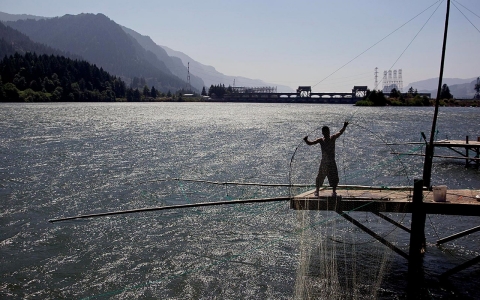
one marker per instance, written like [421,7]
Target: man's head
[326,131]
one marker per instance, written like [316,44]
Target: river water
[66,159]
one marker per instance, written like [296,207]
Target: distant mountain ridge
[133,54]
[212,77]
[103,42]
[13,41]
[9,17]
[174,61]
[174,64]
[459,88]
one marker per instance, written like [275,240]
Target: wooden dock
[416,200]
[469,147]
[466,150]
[393,200]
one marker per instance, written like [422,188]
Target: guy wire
[381,40]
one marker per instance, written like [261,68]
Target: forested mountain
[35,78]
[67,33]
[103,42]
[13,41]
[174,64]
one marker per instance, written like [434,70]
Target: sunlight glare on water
[63,160]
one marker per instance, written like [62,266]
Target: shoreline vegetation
[194,99]
[48,78]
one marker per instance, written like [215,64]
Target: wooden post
[417,239]
[477,153]
[466,150]
[427,166]
[427,169]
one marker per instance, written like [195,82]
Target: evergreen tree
[56,78]
[129,95]
[394,93]
[119,88]
[2,92]
[377,98]
[146,91]
[217,90]
[410,91]
[153,92]
[204,92]
[445,92]
[137,96]
[477,89]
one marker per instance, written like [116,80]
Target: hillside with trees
[377,98]
[42,78]
[13,41]
[174,64]
[102,42]
[412,98]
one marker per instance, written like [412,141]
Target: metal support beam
[458,235]
[461,267]
[391,221]
[373,234]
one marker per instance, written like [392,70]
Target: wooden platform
[466,150]
[457,143]
[397,200]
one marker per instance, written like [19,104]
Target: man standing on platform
[328,166]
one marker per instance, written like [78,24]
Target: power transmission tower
[477,89]
[189,88]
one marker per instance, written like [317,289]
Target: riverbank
[394,102]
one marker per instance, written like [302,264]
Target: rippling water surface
[61,160]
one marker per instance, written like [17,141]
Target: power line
[465,15]
[377,42]
[466,9]
[415,36]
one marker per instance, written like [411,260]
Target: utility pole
[189,87]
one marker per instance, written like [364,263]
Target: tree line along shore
[53,78]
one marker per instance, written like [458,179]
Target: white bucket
[440,193]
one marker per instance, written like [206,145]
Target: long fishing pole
[228,182]
[190,205]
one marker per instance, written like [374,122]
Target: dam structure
[303,94]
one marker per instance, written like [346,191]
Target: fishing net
[339,260]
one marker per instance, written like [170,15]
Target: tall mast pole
[427,167]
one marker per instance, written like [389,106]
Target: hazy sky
[298,42]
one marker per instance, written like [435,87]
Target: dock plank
[458,202]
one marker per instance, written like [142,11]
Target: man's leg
[320,178]
[333,178]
